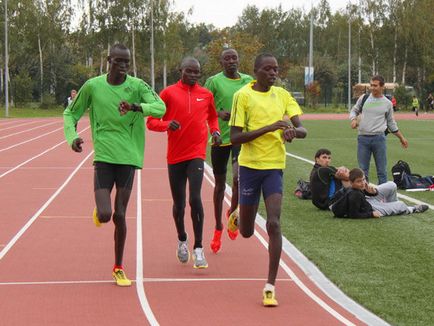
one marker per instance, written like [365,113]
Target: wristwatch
[136,107]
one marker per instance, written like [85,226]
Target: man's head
[229,61]
[357,179]
[119,59]
[377,85]
[73,93]
[323,157]
[266,69]
[190,70]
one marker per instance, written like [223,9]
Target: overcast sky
[223,13]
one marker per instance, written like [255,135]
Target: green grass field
[386,264]
[32,111]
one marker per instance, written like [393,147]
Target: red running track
[55,266]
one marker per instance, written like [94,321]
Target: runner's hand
[124,107]
[216,139]
[278,125]
[76,145]
[224,115]
[289,133]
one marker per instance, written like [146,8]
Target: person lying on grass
[365,200]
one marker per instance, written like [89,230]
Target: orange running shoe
[232,224]
[216,242]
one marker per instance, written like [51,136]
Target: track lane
[231,286]
[71,250]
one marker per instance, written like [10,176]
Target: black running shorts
[106,175]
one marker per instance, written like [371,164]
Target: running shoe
[182,252]
[232,224]
[420,208]
[269,299]
[96,219]
[216,242]
[199,258]
[120,277]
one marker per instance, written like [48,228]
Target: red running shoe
[216,242]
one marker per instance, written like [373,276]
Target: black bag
[302,190]
[339,202]
[415,181]
[397,171]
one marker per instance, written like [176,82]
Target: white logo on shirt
[200,99]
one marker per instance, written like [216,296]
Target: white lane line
[48,167]
[410,199]
[148,280]
[23,124]
[29,140]
[305,289]
[27,130]
[35,216]
[288,271]
[36,156]
[72,217]
[139,258]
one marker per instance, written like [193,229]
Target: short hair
[227,49]
[356,173]
[322,151]
[260,57]
[186,60]
[117,46]
[378,78]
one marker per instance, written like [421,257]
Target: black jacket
[358,206]
[320,179]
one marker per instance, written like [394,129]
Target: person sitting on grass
[325,179]
[365,200]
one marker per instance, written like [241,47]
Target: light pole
[152,47]
[6,62]
[349,56]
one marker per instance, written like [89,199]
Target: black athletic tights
[179,173]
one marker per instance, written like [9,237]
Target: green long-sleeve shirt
[117,139]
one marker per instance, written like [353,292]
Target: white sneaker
[199,258]
[182,252]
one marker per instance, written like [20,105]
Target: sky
[223,13]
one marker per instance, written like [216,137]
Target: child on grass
[366,201]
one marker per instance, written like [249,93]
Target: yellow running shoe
[269,299]
[232,224]
[120,277]
[96,219]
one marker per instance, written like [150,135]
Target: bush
[22,86]
[403,98]
[48,101]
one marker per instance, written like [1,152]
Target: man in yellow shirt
[259,122]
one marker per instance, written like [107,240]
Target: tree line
[55,45]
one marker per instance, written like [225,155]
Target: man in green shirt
[117,106]
[223,86]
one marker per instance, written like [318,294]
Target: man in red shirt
[190,108]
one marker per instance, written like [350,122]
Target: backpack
[397,170]
[415,181]
[339,202]
[302,190]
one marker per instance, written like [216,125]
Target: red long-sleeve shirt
[193,107]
